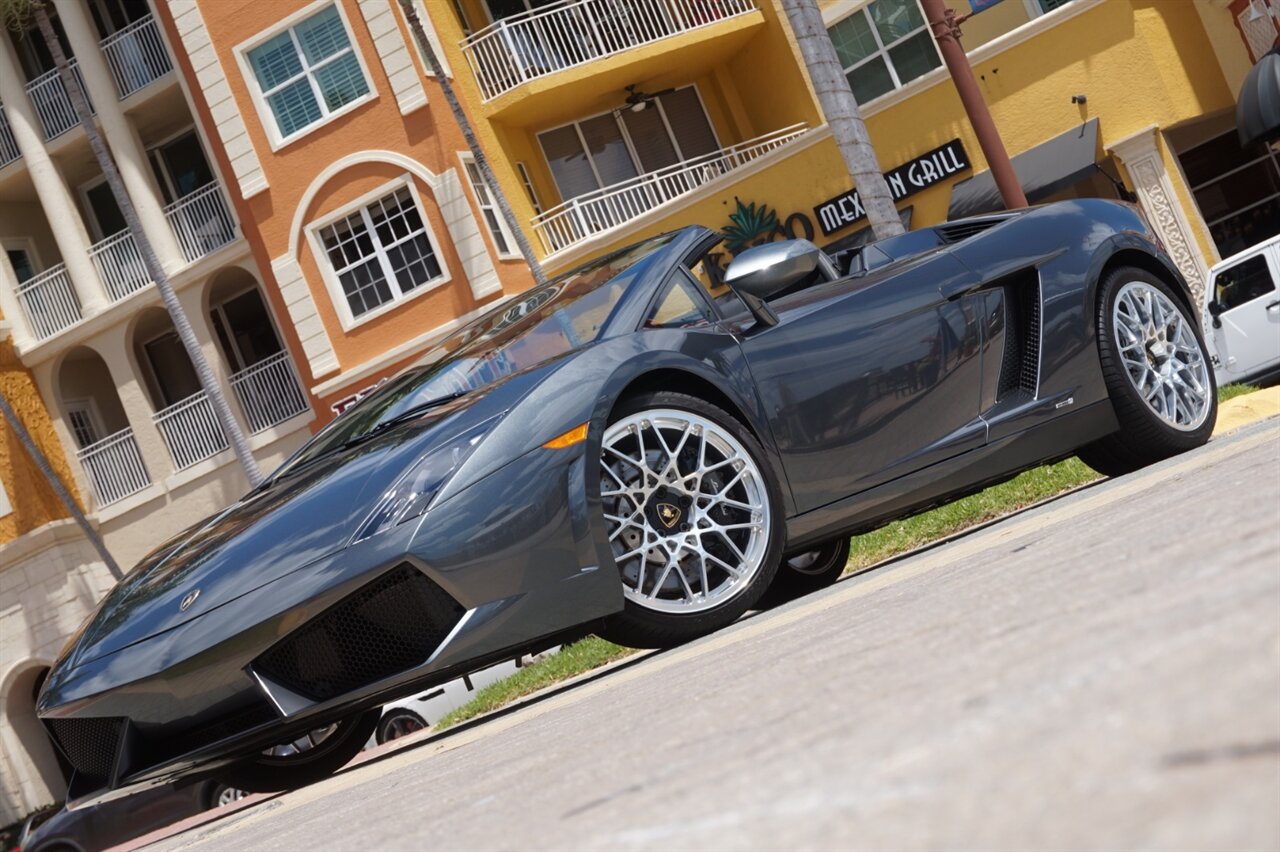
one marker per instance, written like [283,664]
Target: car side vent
[90,745]
[392,624]
[955,232]
[1020,367]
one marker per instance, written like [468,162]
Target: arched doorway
[105,443]
[33,761]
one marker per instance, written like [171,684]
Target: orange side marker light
[576,435]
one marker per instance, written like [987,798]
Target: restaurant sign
[922,172]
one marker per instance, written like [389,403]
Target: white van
[1244,302]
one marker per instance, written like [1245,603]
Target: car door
[1247,332]
[865,379]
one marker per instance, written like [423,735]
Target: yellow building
[609,124]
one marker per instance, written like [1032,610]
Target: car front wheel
[694,518]
[311,757]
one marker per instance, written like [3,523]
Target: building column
[114,349]
[126,149]
[9,304]
[59,207]
[1140,155]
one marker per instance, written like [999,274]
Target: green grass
[1227,392]
[583,656]
[866,550]
[1023,490]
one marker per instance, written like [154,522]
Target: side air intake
[392,624]
[1020,367]
[955,232]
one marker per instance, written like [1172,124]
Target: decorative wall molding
[394,54]
[212,78]
[1140,154]
[313,337]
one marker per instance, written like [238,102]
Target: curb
[1248,408]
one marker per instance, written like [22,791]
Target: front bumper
[511,559]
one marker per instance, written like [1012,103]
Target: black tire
[1144,437]
[822,567]
[223,794]
[638,627]
[398,723]
[268,774]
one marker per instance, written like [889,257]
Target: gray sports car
[645,448]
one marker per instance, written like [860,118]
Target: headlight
[413,492]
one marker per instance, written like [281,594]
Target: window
[1036,8]
[613,147]
[502,239]
[5,507]
[180,166]
[244,330]
[381,253]
[83,420]
[884,46]
[1248,280]
[1237,190]
[679,307]
[308,72]
[528,186]
[22,258]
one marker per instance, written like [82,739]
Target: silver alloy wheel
[1161,355]
[686,507]
[227,795]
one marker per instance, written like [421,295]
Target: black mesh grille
[1020,366]
[90,745]
[955,232]
[390,625]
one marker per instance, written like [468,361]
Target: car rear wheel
[693,514]
[309,758]
[1153,360]
[399,723]
[804,573]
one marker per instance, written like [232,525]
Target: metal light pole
[946,32]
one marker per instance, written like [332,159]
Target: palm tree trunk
[482,161]
[230,426]
[33,451]
[840,109]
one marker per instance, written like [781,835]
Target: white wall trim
[406,85]
[212,78]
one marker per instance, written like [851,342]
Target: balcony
[49,302]
[190,430]
[119,265]
[8,146]
[614,206]
[53,104]
[269,392]
[514,50]
[136,56]
[201,221]
[115,468]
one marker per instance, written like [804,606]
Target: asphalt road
[1100,672]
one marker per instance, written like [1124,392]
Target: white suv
[1244,302]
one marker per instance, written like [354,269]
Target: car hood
[307,515]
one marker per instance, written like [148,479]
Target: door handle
[1274,305]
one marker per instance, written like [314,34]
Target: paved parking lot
[1101,672]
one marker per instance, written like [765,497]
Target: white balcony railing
[136,56]
[191,430]
[8,145]
[49,302]
[115,467]
[523,47]
[119,264]
[612,206]
[269,392]
[201,221]
[53,104]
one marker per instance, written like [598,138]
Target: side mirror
[763,271]
[1215,311]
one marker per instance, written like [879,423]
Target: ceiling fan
[637,101]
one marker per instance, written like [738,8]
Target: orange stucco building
[342,142]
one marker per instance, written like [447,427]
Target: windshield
[539,325]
